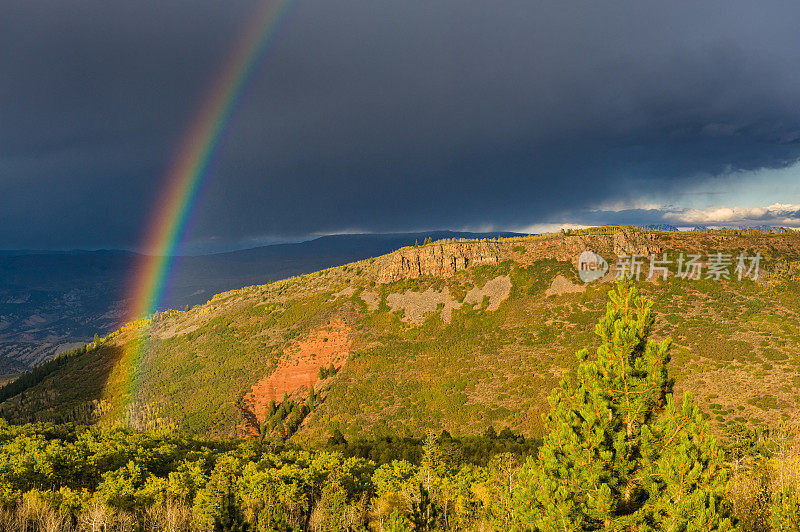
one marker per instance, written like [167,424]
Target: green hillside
[455,335]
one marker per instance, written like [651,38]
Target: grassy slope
[736,349]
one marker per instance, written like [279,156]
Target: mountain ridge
[472,333]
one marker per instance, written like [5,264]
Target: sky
[384,116]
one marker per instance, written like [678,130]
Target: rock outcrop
[446,258]
[636,243]
[439,260]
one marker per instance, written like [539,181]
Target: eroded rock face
[298,370]
[446,259]
[629,243]
[439,260]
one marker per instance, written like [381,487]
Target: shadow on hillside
[75,388]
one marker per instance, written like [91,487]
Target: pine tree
[619,454]
[218,505]
[424,512]
[312,398]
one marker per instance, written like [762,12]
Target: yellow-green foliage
[56,477]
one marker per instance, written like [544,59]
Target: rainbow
[189,169]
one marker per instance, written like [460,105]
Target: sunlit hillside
[455,335]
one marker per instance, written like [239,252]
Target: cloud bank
[783,214]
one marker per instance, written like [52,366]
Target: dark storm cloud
[383,116]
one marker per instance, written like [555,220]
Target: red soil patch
[299,368]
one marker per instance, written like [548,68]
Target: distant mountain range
[52,301]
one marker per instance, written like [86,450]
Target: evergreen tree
[283,409]
[218,505]
[312,398]
[424,512]
[619,454]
